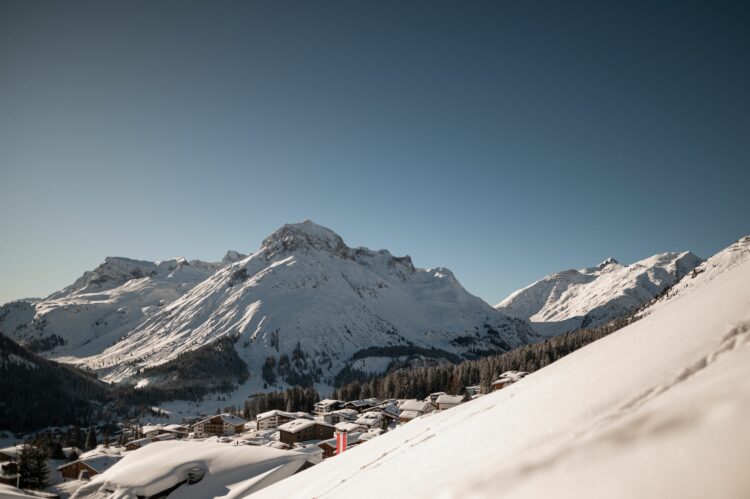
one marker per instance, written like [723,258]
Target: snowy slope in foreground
[592,296]
[657,409]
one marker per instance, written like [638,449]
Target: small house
[219,425]
[327,405]
[447,401]
[301,430]
[507,378]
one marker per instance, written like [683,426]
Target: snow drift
[193,470]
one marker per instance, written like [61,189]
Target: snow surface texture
[657,409]
[592,296]
[230,471]
[303,287]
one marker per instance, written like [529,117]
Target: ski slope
[657,409]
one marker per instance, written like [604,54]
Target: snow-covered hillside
[657,409]
[592,296]
[307,303]
[102,305]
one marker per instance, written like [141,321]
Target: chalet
[339,416]
[10,453]
[389,409]
[274,419]
[350,427]
[301,430]
[8,473]
[433,397]
[507,378]
[413,408]
[370,419]
[137,444]
[88,466]
[474,390]
[329,446]
[447,401]
[222,424]
[362,405]
[327,405]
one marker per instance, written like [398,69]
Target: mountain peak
[304,235]
[232,256]
[608,261]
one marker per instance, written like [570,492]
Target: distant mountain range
[308,309]
[593,296]
[302,309]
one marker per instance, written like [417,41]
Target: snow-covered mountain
[303,307]
[592,296]
[306,305]
[102,305]
[623,417]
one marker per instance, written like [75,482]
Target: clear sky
[503,140]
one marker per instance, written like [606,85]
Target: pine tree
[32,468]
[384,423]
[91,438]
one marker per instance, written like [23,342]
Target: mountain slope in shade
[306,305]
[102,305]
[592,296]
[656,409]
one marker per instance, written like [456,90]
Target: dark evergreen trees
[32,467]
[91,440]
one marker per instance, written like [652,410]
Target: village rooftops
[300,424]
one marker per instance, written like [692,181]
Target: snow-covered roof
[12,451]
[415,405]
[368,418]
[230,471]
[277,412]
[510,377]
[328,402]
[99,463]
[140,442]
[299,424]
[449,399]
[348,426]
[364,402]
[409,414]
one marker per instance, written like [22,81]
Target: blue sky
[503,140]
